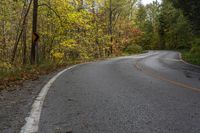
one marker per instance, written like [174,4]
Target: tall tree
[191,9]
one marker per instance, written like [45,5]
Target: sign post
[34,46]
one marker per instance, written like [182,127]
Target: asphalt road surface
[150,93]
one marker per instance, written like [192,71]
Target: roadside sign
[35,37]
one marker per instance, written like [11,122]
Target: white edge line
[32,122]
[181,59]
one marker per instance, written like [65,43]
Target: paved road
[149,93]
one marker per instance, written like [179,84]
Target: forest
[74,31]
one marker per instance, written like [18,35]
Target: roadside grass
[191,57]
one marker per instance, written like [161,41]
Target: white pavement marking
[32,122]
[139,56]
[171,59]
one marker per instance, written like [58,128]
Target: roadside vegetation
[192,56]
[73,31]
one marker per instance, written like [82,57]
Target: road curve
[150,93]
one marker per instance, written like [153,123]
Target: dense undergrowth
[192,56]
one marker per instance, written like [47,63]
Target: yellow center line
[179,84]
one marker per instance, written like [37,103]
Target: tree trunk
[34,46]
[110,25]
[24,36]
[19,33]
[4,39]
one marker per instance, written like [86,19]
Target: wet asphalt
[150,93]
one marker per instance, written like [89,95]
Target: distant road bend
[153,92]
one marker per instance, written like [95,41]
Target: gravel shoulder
[16,102]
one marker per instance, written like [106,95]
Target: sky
[149,1]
